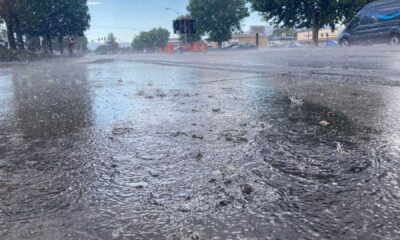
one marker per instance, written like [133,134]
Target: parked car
[296,45]
[377,22]
[239,46]
[288,45]
[230,46]
[244,46]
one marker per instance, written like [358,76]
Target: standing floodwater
[250,145]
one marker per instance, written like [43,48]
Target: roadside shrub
[8,55]
[104,49]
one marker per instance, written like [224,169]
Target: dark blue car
[377,22]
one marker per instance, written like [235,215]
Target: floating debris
[247,189]
[339,148]
[295,101]
[140,93]
[121,131]
[224,203]
[212,180]
[199,156]
[324,123]
[197,137]
[177,134]
[160,93]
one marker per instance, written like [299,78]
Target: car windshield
[199,119]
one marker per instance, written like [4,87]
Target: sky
[125,18]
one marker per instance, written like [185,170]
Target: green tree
[111,38]
[313,14]
[141,42]
[151,40]
[54,19]
[110,46]
[218,18]
[103,49]
[349,8]
[71,18]
[160,37]
[8,12]
[81,44]
[112,42]
[192,38]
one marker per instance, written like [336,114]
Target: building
[258,29]
[323,35]
[250,37]
[246,38]
[176,42]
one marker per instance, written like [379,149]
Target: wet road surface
[277,144]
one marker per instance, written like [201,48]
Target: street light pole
[171,9]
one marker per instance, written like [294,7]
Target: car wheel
[345,42]
[394,40]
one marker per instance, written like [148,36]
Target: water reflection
[51,99]
[332,180]
[6,96]
[226,155]
[47,154]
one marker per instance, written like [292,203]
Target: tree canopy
[8,13]
[110,46]
[313,14]
[218,18]
[112,42]
[48,19]
[54,18]
[153,39]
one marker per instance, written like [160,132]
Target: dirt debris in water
[121,131]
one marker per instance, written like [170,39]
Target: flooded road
[255,145]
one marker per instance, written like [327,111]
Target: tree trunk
[36,44]
[61,44]
[20,40]
[315,29]
[49,44]
[10,34]
[219,44]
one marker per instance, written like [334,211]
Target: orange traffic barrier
[170,48]
[204,46]
[196,47]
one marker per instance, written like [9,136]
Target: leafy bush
[8,55]
[151,40]
[104,49]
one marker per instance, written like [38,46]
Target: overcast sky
[125,18]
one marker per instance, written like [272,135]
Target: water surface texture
[253,145]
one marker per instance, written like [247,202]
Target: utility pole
[257,40]
[171,9]
[186,23]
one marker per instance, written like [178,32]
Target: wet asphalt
[269,144]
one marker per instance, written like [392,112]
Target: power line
[117,27]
